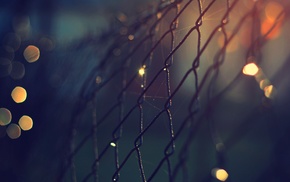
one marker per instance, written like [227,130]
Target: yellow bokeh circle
[31,53]
[25,123]
[19,94]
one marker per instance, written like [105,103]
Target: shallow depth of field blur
[48,48]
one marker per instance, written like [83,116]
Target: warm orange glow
[13,131]
[266,27]
[159,14]
[5,116]
[142,71]
[25,123]
[220,174]
[269,91]
[19,94]
[264,83]
[250,69]
[31,53]
[98,80]
[21,26]
[122,17]
[131,37]
[272,10]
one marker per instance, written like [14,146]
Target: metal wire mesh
[151,102]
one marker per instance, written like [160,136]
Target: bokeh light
[220,174]
[25,123]
[98,80]
[11,42]
[272,10]
[31,53]
[18,70]
[269,91]
[21,25]
[142,71]
[264,83]
[267,26]
[131,37]
[46,44]
[19,94]
[113,144]
[13,131]
[5,116]
[250,69]
[5,67]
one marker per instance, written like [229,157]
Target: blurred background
[49,54]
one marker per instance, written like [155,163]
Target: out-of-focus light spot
[13,131]
[260,76]
[46,44]
[18,70]
[131,37]
[11,42]
[5,67]
[264,83]
[25,123]
[5,116]
[122,17]
[250,69]
[267,26]
[98,79]
[31,53]
[272,10]
[225,20]
[142,71]
[21,25]
[158,15]
[19,94]
[269,91]
[220,174]
[113,144]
